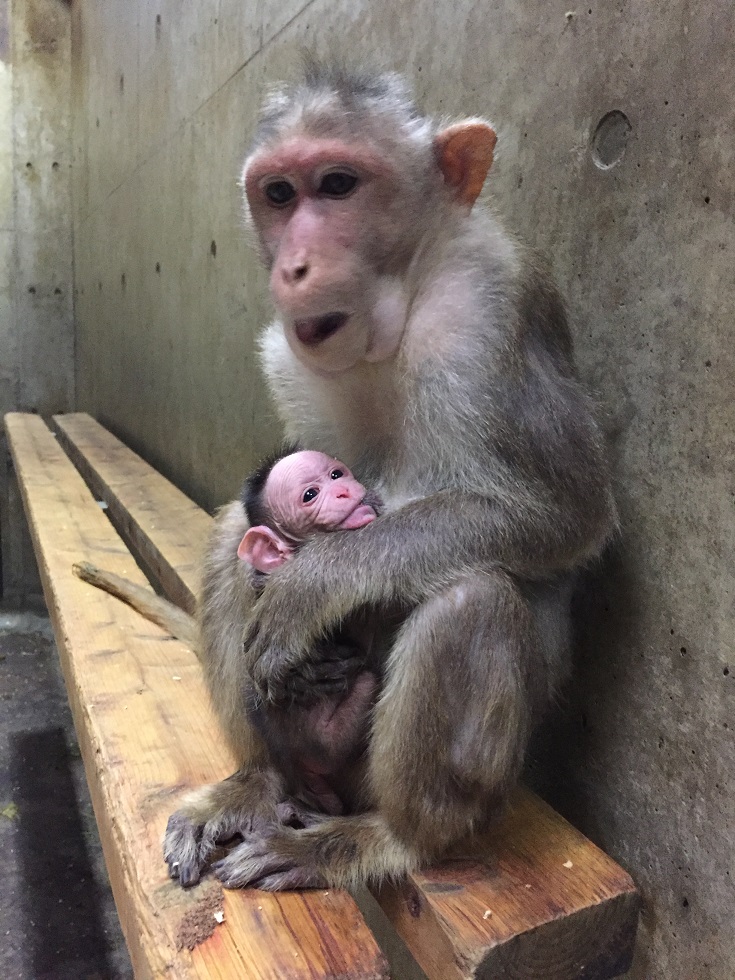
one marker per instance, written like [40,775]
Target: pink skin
[305,492]
[319,241]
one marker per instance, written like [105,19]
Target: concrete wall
[36,322]
[169,298]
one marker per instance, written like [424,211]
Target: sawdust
[199,922]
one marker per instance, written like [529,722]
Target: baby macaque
[291,496]
[320,728]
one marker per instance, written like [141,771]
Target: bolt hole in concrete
[610,139]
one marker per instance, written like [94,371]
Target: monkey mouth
[362,514]
[316,329]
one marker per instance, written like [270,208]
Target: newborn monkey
[294,494]
[316,733]
[319,730]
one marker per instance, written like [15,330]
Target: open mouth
[316,329]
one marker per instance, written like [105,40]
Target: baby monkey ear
[464,153]
[263,549]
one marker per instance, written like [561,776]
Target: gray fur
[482,442]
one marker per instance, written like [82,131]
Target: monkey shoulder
[226,579]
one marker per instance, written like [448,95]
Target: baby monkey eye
[309,495]
[337,184]
[279,192]
[336,474]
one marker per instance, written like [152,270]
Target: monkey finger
[269,675]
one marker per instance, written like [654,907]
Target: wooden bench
[545,904]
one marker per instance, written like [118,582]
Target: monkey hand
[277,859]
[281,638]
[325,676]
[251,800]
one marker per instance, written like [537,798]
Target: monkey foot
[273,861]
[250,802]
[188,846]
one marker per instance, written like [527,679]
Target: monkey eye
[338,183]
[280,192]
[336,474]
[309,495]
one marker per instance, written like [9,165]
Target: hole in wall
[213,248]
[123,281]
[158,267]
[610,139]
[55,165]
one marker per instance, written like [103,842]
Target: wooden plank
[159,522]
[543,904]
[147,734]
[571,923]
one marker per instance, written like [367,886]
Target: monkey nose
[296,273]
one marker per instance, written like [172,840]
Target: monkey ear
[263,549]
[464,153]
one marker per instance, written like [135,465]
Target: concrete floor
[57,915]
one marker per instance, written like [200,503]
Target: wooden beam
[159,523]
[519,911]
[147,734]
[541,903]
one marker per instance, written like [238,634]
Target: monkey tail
[153,607]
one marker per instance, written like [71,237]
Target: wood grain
[543,903]
[518,912]
[160,524]
[147,734]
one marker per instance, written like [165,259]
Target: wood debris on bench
[545,904]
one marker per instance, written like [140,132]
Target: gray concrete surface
[57,916]
[36,318]
[636,211]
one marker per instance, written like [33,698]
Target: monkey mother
[426,347]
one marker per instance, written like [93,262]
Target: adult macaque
[429,349]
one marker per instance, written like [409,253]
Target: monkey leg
[448,740]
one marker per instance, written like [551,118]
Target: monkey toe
[247,864]
[295,878]
[269,862]
[293,813]
[181,850]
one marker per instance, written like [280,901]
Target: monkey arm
[407,556]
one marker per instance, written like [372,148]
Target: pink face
[322,209]
[310,491]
